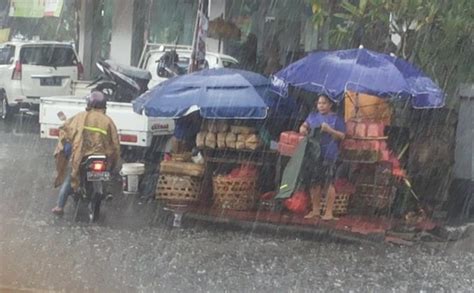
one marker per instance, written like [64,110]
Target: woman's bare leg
[315,193]
[330,199]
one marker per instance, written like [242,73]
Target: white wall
[122,30]
[85,36]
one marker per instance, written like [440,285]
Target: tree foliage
[437,35]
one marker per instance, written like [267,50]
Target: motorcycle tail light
[98,166]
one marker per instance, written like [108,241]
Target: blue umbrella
[216,93]
[359,70]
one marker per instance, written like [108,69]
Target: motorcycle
[120,83]
[93,173]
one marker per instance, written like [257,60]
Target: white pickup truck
[134,129]
[153,52]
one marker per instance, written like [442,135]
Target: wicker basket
[181,168]
[234,193]
[182,157]
[178,189]
[340,204]
[373,197]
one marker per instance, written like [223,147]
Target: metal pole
[192,65]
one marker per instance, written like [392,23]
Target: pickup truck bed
[133,129]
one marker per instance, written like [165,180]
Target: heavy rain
[236,146]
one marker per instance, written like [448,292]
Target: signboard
[35,8]
[4,34]
[53,7]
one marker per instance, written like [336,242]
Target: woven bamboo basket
[178,189]
[234,193]
[372,197]
[340,204]
[182,157]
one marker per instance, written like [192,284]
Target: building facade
[273,32]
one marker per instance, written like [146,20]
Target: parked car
[33,69]
[153,53]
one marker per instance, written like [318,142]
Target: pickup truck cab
[34,69]
[153,52]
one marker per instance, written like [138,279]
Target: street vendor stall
[229,150]
[364,81]
[236,162]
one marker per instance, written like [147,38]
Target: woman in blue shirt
[333,131]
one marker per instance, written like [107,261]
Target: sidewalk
[347,228]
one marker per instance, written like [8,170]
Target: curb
[314,233]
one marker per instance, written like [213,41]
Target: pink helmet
[96,100]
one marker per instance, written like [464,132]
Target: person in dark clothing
[333,131]
[185,131]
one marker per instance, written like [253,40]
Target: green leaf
[362,6]
[343,16]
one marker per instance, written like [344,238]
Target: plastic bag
[298,203]
[230,140]
[240,144]
[243,171]
[211,140]
[221,140]
[200,139]
[252,142]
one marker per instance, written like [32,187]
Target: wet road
[127,252]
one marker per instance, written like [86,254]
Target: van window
[49,55]
[7,54]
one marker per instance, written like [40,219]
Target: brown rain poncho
[89,132]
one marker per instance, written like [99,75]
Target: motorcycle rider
[87,133]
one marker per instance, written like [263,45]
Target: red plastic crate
[360,129]
[365,129]
[286,149]
[296,138]
[350,128]
[375,129]
[285,136]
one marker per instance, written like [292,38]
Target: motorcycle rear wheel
[94,207]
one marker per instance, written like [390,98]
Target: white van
[30,70]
